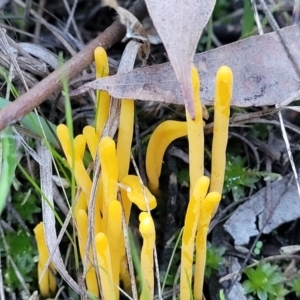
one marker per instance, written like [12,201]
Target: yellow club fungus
[92,140]
[147,231]
[195,135]
[161,138]
[223,94]
[47,283]
[90,277]
[74,159]
[109,173]
[103,98]
[135,192]
[208,206]
[81,203]
[114,235]
[79,145]
[125,134]
[104,265]
[188,237]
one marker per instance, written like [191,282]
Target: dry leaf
[49,218]
[134,28]
[112,3]
[179,25]
[283,207]
[263,75]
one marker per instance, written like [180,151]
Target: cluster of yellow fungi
[205,194]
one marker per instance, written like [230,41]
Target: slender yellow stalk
[161,138]
[114,235]
[223,94]
[147,230]
[47,284]
[105,268]
[79,145]
[125,134]
[195,135]
[103,98]
[92,140]
[188,237]
[109,174]
[208,206]
[90,277]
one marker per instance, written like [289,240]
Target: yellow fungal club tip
[201,187]
[79,145]
[101,62]
[136,195]
[146,224]
[102,246]
[210,202]
[224,84]
[92,139]
[63,135]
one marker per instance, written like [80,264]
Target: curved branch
[52,83]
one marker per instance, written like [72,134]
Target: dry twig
[52,83]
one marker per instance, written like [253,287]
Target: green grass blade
[9,163]
[32,123]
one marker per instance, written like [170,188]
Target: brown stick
[52,83]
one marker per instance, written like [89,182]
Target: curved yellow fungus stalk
[161,138]
[47,284]
[208,206]
[223,94]
[195,135]
[147,230]
[114,235]
[188,237]
[80,173]
[90,278]
[125,134]
[104,265]
[135,193]
[109,173]
[103,98]
[79,147]
[92,140]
